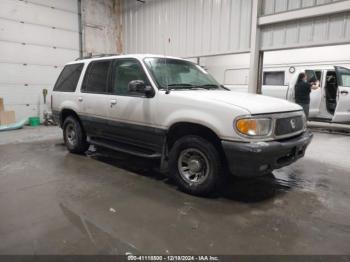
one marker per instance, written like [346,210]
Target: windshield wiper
[180,85]
[175,86]
[209,86]
[184,86]
[190,86]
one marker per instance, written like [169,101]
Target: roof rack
[95,56]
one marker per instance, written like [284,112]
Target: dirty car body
[172,110]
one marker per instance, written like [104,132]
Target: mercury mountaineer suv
[172,110]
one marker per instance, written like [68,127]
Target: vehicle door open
[315,95]
[342,110]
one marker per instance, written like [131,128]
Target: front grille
[289,125]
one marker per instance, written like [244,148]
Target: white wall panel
[187,27]
[14,31]
[22,95]
[67,5]
[33,54]
[24,100]
[28,74]
[37,14]
[37,37]
[236,77]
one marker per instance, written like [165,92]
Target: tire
[74,136]
[194,154]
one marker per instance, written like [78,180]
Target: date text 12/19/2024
[172,258]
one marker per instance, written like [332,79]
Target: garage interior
[53,202]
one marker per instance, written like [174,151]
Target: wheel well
[183,129]
[68,112]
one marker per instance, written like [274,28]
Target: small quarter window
[274,78]
[69,77]
[96,79]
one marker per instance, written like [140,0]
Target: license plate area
[293,154]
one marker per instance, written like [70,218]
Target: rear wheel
[74,136]
[195,165]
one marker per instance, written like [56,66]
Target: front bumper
[259,158]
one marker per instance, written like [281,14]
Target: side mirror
[139,86]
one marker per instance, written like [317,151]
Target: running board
[123,149]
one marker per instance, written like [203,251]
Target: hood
[255,104]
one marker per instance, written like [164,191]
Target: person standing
[302,92]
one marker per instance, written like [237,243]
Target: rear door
[342,111]
[95,99]
[274,84]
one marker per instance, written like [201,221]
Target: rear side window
[68,79]
[343,75]
[274,78]
[96,79]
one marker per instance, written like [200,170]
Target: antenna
[165,59]
[166,77]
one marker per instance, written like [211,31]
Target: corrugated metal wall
[190,28]
[316,31]
[187,28]
[334,29]
[277,6]
[37,38]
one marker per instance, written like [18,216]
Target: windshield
[179,74]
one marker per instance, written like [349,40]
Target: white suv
[171,109]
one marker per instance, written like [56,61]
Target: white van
[281,69]
[331,102]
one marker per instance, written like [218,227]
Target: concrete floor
[53,202]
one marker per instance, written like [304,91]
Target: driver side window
[125,71]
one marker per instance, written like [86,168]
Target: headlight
[254,126]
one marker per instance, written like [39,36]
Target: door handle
[344,92]
[80,99]
[113,102]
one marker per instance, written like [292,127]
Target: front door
[132,114]
[342,111]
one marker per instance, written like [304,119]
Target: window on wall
[96,79]
[274,78]
[68,79]
[125,71]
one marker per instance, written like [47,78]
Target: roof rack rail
[95,56]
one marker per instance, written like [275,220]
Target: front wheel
[74,136]
[195,165]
